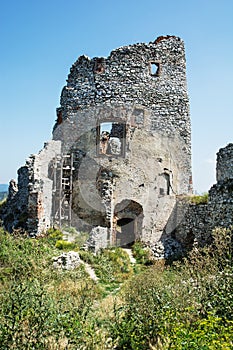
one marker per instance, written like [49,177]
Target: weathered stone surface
[198,221]
[29,205]
[67,261]
[144,159]
[166,248]
[99,238]
[121,148]
[120,159]
[225,163]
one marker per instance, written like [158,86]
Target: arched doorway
[128,217]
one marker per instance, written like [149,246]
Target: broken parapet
[225,163]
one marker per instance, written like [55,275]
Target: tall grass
[184,306]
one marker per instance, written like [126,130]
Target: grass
[199,199]
[187,305]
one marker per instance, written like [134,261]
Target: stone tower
[121,149]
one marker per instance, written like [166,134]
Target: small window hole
[154,69]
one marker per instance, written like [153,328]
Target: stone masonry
[121,149]
[120,158]
[125,119]
[195,223]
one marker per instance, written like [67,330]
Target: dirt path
[90,271]
[129,252]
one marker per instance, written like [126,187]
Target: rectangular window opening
[111,139]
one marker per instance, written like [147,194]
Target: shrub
[65,245]
[54,234]
[31,317]
[27,316]
[21,256]
[87,256]
[141,254]
[146,310]
[207,333]
[187,305]
[195,294]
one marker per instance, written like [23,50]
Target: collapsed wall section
[195,223]
[29,205]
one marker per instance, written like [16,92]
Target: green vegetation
[141,254]
[78,237]
[185,306]
[199,199]
[65,245]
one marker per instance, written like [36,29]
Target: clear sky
[41,39]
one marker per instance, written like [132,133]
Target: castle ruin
[121,150]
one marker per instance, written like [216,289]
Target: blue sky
[40,40]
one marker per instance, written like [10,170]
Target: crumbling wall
[29,204]
[141,91]
[125,79]
[195,223]
[225,163]
[127,116]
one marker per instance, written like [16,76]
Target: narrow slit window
[168,178]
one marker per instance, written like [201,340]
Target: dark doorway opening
[128,220]
[125,232]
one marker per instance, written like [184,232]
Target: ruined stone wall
[225,163]
[125,78]
[29,204]
[124,126]
[196,222]
[152,110]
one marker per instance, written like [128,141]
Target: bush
[54,234]
[27,316]
[187,305]
[195,294]
[146,310]
[31,317]
[42,308]
[65,245]
[141,254]
[21,256]
[208,333]
[87,256]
